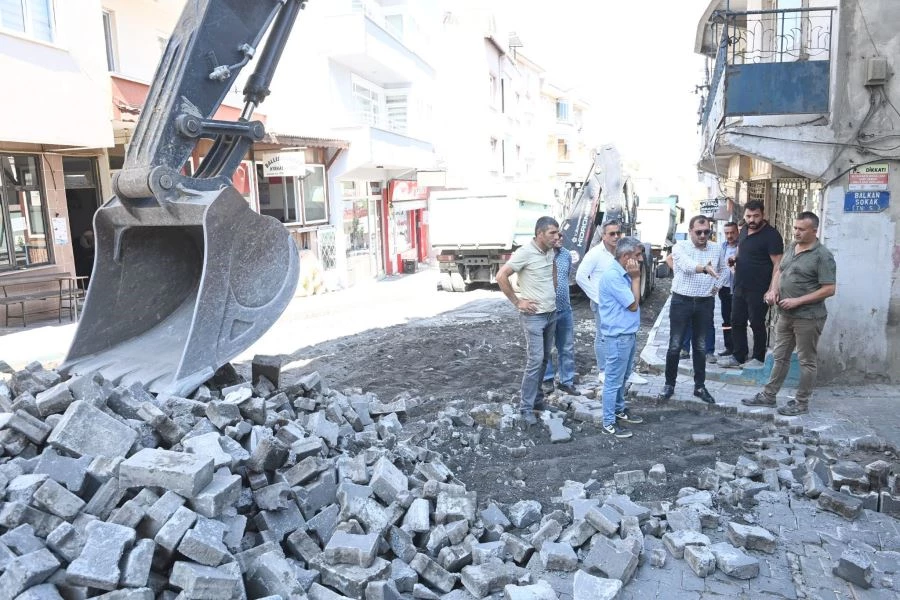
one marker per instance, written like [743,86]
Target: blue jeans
[599,344]
[698,313]
[540,331]
[565,349]
[620,351]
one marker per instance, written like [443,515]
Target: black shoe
[547,386]
[527,420]
[794,408]
[726,352]
[685,355]
[567,389]
[703,394]
[616,431]
[667,393]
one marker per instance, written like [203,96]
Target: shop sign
[710,207]
[402,191]
[284,164]
[872,177]
[866,202]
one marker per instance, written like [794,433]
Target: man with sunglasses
[699,273]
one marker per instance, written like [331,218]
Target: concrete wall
[58,93]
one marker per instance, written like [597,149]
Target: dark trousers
[698,312]
[725,306]
[748,305]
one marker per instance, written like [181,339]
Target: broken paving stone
[842,504]
[657,474]
[26,571]
[86,430]
[98,564]
[588,587]
[351,549]
[558,556]
[489,578]
[700,559]
[675,541]
[612,559]
[854,566]
[732,561]
[702,439]
[537,591]
[750,537]
[182,473]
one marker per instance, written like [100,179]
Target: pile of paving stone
[251,490]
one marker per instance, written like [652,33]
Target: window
[562,150]
[108,33]
[296,199]
[24,239]
[397,111]
[368,99]
[562,111]
[33,18]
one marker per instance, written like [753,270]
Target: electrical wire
[862,15]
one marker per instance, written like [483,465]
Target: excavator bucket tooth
[180,289]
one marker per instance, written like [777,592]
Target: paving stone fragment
[536,591]
[750,537]
[28,425]
[269,454]
[280,522]
[813,486]
[600,521]
[525,513]
[351,580]
[203,582]
[746,468]
[732,561]
[54,400]
[47,591]
[13,514]
[222,492]
[169,535]
[418,516]
[857,568]
[625,507]
[22,540]
[842,504]
[700,559]
[849,473]
[558,556]
[203,543]
[589,587]
[301,545]
[675,541]
[207,445]
[324,523]
[68,471]
[57,500]
[657,474]
[351,549]
[548,532]
[703,498]
[182,473]
[85,430]
[658,557]
[26,571]
[66,541]
[454,558]
[452,507]
[489,578]
[387,481]
[577,534]
[432,573]
[611,559]
[878,472]
[159,513]
[517,548]
[98,564]
[138,562]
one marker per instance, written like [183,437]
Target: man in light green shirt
[536,303]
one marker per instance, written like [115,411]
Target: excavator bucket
[186,275]
[175,294]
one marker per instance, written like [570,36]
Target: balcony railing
[771,62]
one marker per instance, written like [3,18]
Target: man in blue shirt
[620,318]
[565,326]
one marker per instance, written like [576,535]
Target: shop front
[406,242]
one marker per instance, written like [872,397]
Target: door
[82,200]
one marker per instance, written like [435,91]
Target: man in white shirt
[700,270]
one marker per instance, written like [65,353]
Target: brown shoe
[759,399]
[793,408]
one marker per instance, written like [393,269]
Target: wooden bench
[24,288]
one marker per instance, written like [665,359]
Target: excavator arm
[186,275]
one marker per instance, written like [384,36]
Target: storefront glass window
[24,240]
[356,226]
[315,203]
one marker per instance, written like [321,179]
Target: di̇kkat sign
[284,164]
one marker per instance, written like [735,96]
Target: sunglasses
[613,233]
[702,232]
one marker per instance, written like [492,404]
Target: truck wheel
[663,271]
[646,284]
[457,282]
[444,282]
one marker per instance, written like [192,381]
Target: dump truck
[475,232]
[657,220]
[186,275]
[606,193]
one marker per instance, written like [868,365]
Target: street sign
[866,202]
[872,177]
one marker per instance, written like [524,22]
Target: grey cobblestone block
[208,445]
[387,481]
[700,559]
[159,513]
[558,556]
[524,513]
[280,522]
[351,580]
[813,486]
[351,549]
[203,543]
[657,474]
[185,474]
[170,534]
[28,425]
[454,558]
[849,473]
[22,540]
[303,471]
[85,430]
[269,454]
[66,541]
[517,548]
[577,534]
[842,504]
[750,537]
[537,591]
[13,514]
[217,497]
[57,500]
[548,532]
[857,568]
[451,507]
[22,488]
[684,519]
[98,564]
[136,572]
[702,497]
[601,521]
[483,580]
[54,400]
[43,591]
[418,516]
[68,471]
[675,541]
[432,573]
[658,557]
[324,523]
[203,582]
[734,562]
[26,571]
[611,559]
[625,507]
[589,587]
[483,552]
[559,433]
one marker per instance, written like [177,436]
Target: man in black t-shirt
[759,253]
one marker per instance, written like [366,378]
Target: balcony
[386,49]
[769,62]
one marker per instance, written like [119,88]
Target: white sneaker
[601,376]
[634,378]
[754,364]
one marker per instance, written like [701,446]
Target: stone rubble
[249,490]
